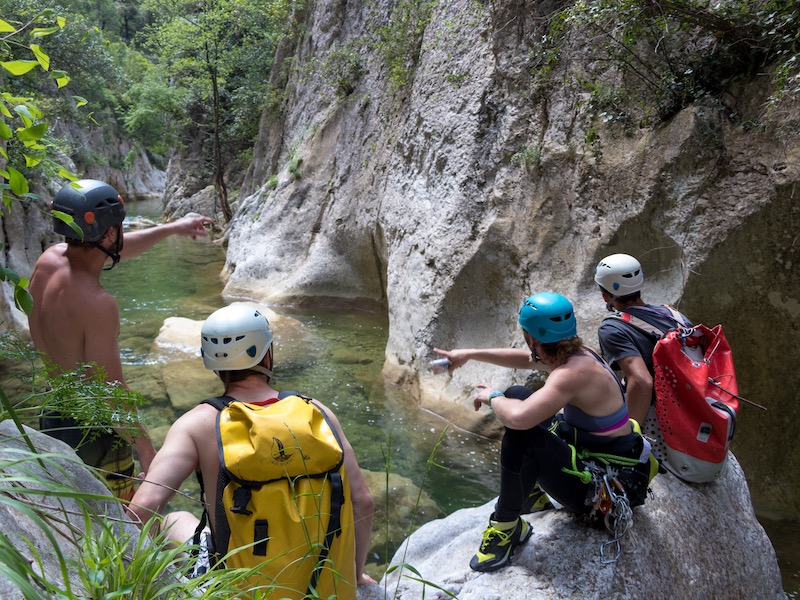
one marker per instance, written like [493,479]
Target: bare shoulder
[201,416]
[198,423]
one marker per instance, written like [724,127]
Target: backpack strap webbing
[218,402]
[334,529]
[643,324]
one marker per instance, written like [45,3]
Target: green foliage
[667,54]
[26,146]
[295,162]
[145,566]
[341,67]
[110,562]
[220,52]
[529,156]
[82,393]
[399,41]
[156,112]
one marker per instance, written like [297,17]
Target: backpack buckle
[241,498]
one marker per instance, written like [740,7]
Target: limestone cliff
[450,195]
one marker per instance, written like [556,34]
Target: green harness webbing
[607,459]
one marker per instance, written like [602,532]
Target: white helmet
[619,274]
[235,338]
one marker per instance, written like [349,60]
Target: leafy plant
[399,41]
[530,156]
[667,54]
[343,68]
[103,559]
[82,393]
[220,52]
[24,131]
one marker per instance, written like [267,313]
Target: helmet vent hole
[227,340]
[251,351]
[239,338]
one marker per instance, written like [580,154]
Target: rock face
[676,549]
[25,512]
[451,197]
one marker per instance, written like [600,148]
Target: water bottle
[440,365]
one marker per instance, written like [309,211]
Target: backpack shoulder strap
[334,528]
[639,324]
[219,402]
[679,319]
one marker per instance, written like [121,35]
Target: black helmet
[93,204]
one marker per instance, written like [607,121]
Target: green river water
[337,359]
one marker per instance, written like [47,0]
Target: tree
[215,49]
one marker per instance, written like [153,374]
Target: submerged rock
[688,541]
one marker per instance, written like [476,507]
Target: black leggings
[537,455]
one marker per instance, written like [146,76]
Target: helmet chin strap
[114,256]
[260,369]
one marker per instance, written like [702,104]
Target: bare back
[74,319]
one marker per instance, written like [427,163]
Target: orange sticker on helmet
[89,217]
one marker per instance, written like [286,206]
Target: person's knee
[179,526]
[519,392]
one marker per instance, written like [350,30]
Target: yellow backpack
[283,499]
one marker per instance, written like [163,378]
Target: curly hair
[559,352]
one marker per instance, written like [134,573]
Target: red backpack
[696,395]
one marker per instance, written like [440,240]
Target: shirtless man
[237,344]
[74,320]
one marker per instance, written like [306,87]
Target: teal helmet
[548,317]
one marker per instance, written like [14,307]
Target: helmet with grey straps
[548,317]
[236,338]
[619,275]
[94,206]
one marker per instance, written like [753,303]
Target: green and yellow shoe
[498,545]
[536,502]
